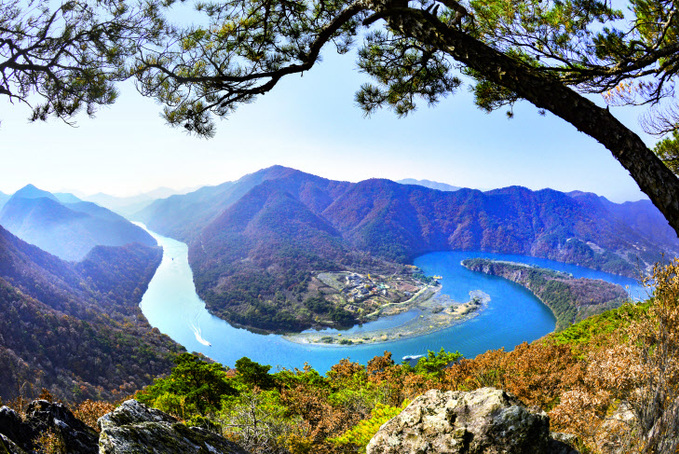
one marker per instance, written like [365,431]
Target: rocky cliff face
[135,428]
[486,420]
[48,421]
[131,428]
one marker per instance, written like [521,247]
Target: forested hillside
[76,329]
[256,245]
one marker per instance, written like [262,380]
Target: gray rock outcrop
[13,429]
[135,428]
[8,446]
[486,420]
[19,435]
[131,428]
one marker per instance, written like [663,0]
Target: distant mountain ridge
[3,199]
[262,238]
[67,230]
[429,184]
[31,192]
[65,197]
[127,206]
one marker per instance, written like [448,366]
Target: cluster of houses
[359,288]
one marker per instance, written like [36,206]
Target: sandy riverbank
[431,312]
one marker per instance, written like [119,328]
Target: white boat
[412,357]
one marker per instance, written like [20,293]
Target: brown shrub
[90,411]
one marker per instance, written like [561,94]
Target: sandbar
[430,311]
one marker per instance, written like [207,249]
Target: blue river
[513,315]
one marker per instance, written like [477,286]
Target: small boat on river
[412,357]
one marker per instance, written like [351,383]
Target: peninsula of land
[570,299]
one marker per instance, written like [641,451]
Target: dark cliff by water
[570,299]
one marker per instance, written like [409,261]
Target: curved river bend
[513,315]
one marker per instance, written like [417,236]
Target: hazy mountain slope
[65,197]
[176,215]
[182,216]
[31,192]
[124,206]
[644,218]
[68,230]
[128,206]
[76,329]
[429,184]
[3,199]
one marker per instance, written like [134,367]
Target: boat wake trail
[199,335]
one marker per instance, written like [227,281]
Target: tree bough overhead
[59,58]
[550,53]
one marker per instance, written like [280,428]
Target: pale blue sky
[309,123]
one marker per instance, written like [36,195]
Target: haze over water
[513,315]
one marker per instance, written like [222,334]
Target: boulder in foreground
[486,420]
[135,428]
[22,435]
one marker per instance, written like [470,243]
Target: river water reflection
[513,315]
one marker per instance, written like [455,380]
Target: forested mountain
[76,329]
[253,264]
[642,216]
[256,244]
[429,184]
[398,222]
[67,230]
